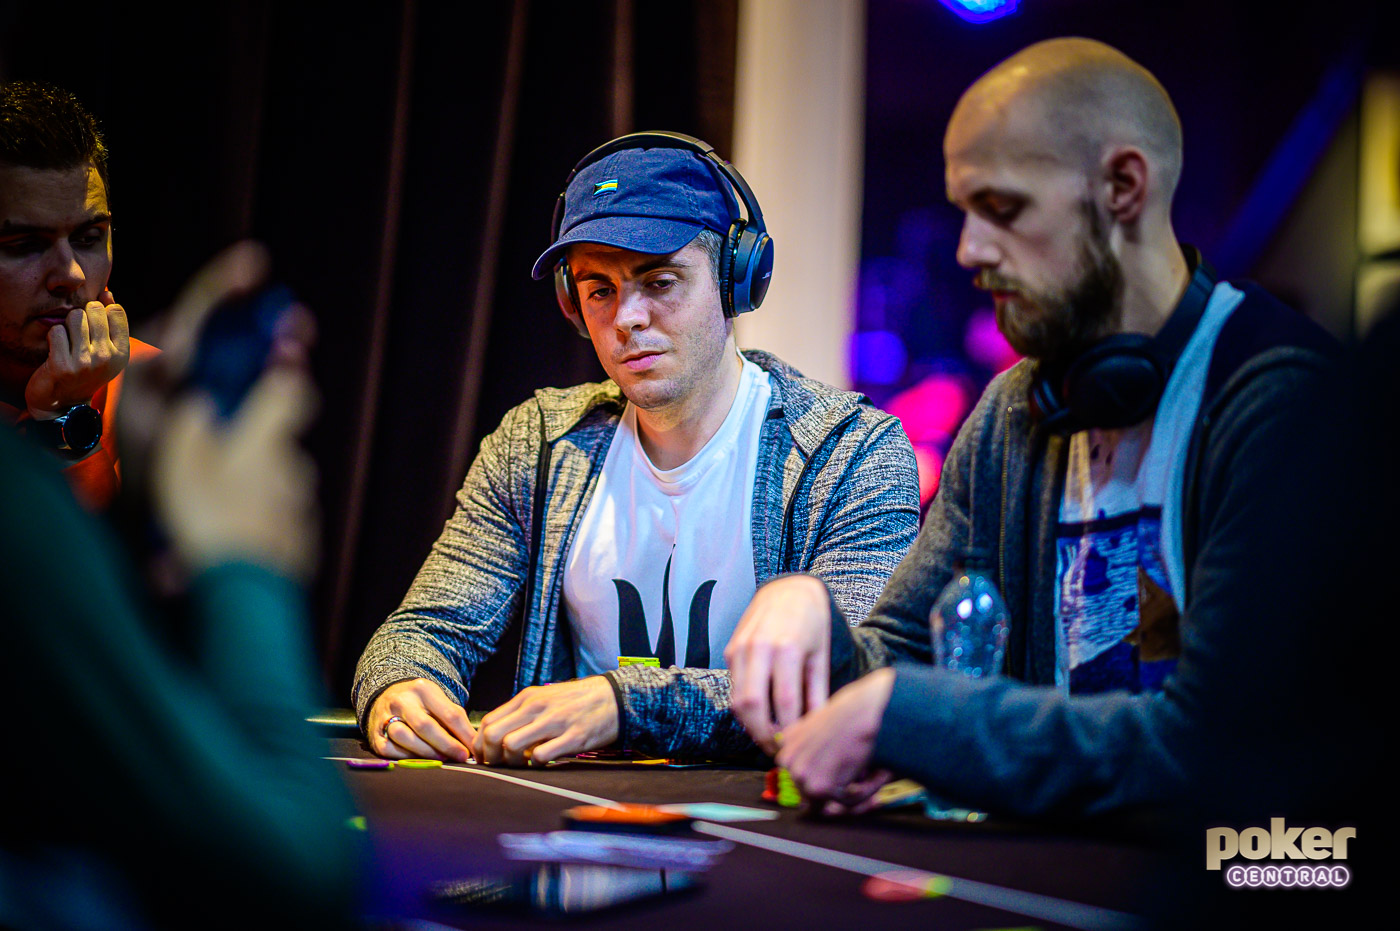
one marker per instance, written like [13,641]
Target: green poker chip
[419,764]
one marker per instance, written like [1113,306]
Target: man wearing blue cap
[626,524]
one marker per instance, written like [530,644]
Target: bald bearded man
[1124,486]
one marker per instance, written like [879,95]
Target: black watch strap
[72,434]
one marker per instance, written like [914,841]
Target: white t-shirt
[662,564]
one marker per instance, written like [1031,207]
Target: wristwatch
[72,434]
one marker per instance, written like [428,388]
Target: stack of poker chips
[779,787]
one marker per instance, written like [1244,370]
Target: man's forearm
[1030,750]
[678,712]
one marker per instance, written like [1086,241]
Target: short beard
[15,352]
[1057,326]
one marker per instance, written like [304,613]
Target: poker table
[429,826]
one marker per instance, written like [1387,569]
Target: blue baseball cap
[653,201]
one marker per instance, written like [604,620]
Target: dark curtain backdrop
[401,160]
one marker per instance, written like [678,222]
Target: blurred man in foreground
[176,729]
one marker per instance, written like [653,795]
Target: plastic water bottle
[970,625]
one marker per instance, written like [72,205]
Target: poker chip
[905,886]
[898,794]
[420,764]
[370,764]
[770,785]
[645,819]
[939,810]
[788,796]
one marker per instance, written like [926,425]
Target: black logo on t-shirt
[632,623]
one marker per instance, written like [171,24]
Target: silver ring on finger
[384,731]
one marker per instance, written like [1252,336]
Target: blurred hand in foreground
[240,489]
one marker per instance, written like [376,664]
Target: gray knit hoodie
[1249,526]
[835,495]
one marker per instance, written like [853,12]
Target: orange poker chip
[642,818]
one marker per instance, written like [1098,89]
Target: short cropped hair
[713,244]
[43,126]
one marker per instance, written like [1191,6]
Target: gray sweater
[1026,746]
[835,495]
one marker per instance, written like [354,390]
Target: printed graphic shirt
[1115,619]
[662,565]
[1120,565]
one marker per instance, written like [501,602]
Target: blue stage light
[981,11]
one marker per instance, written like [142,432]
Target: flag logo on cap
[605,187]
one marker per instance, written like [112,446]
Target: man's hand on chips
[416,719]
[779,656]
[828,751]
[545,722]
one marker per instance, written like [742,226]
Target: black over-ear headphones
[745,265]
[1118,381]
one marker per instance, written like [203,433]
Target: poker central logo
[1280,842]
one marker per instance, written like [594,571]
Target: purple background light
[985,345]
[919,60]
[879,357]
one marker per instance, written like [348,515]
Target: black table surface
[431,825]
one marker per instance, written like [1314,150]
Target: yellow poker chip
[420,764]
[625,661]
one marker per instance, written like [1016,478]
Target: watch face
[82,428]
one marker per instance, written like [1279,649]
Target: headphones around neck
[746,262]
[1118,381]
